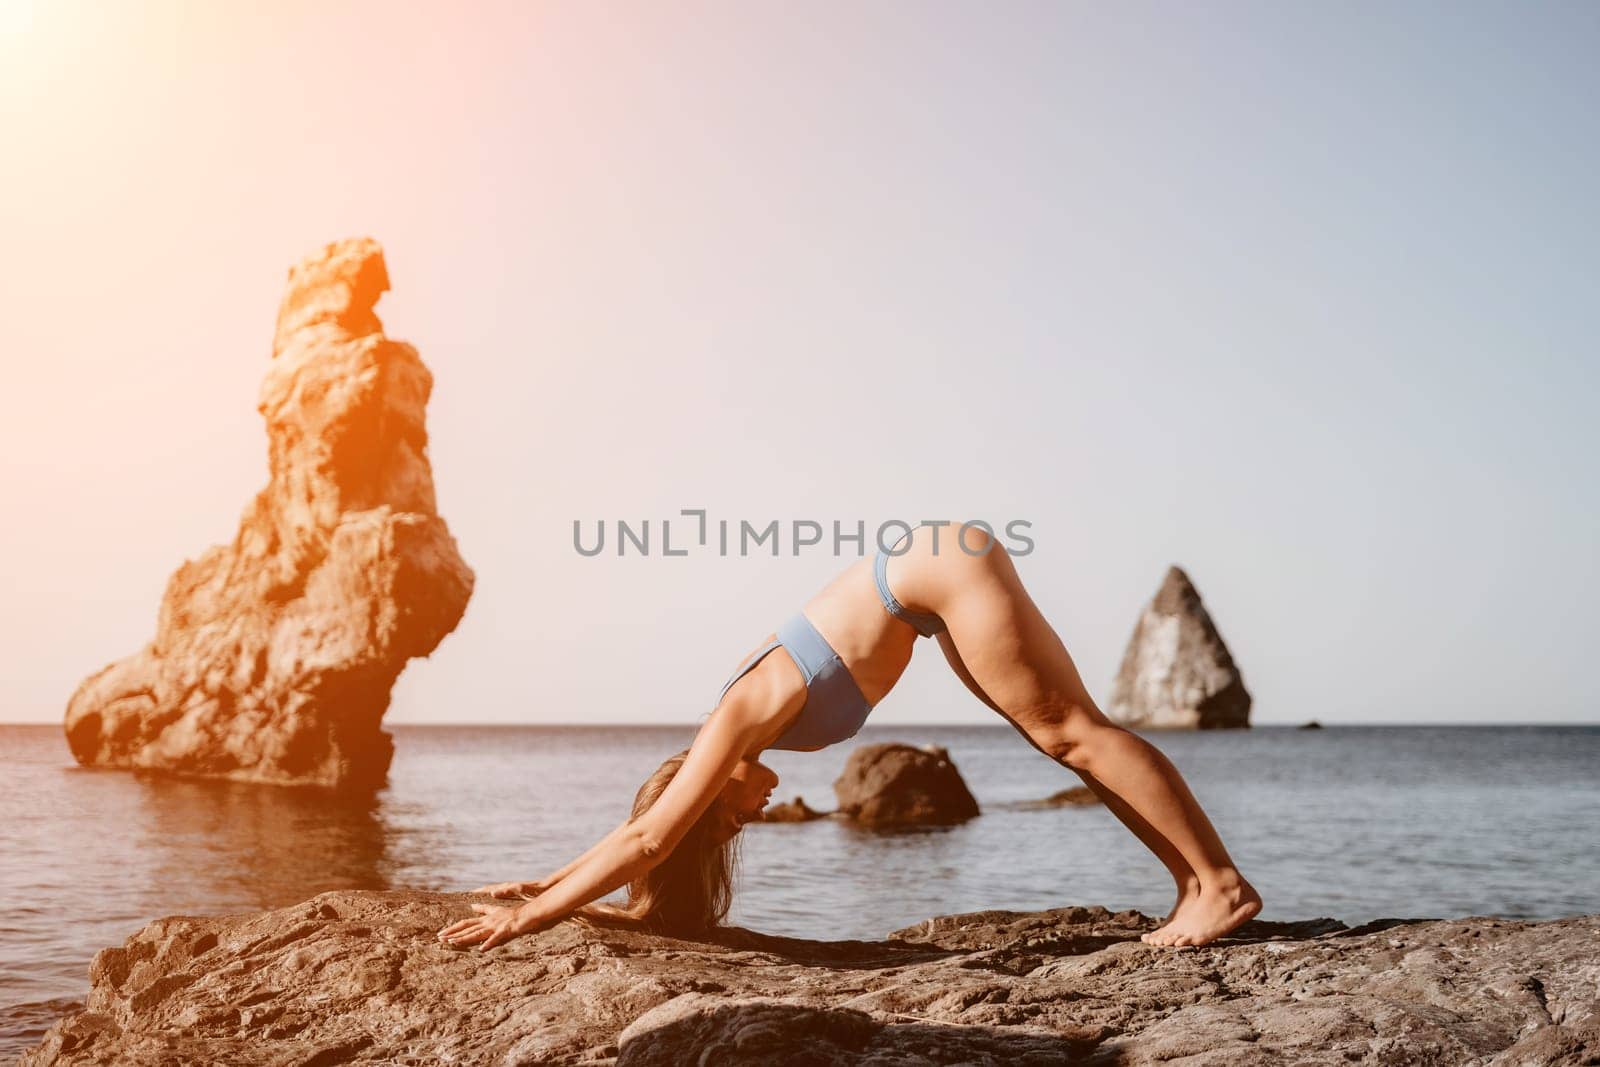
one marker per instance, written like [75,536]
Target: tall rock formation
[1177,673]
[274,655]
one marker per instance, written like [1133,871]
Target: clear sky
[1302,297]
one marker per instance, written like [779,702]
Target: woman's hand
[494,926]
[511,890]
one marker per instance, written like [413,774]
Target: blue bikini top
[834,708]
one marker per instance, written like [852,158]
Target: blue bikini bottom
[834,709]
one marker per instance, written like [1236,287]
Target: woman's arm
[636,846]
[594,849]
[505,890]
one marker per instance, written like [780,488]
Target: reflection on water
[258,847]
[91,856]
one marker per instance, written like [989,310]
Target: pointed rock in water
[360,977]
[1177,673]
[274,655]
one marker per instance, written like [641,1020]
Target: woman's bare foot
[1187,891]
[1220,906]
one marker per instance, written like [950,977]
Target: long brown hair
[692,889]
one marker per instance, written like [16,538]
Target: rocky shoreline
[358,977]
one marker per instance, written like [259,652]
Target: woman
[846,649]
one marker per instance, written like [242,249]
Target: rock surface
[358,977]
[274,655]
[890,785]
[1176,672]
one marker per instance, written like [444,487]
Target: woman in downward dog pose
[845,650]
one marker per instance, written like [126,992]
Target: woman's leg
[1013,655]
[1183,876]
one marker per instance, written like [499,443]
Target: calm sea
[1350,822]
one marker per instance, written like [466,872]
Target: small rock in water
[893,785]
[795,810]
[1078,796]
